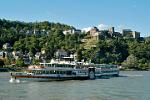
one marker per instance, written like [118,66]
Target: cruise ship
[58,70]
[48,72]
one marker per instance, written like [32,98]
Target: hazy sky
[133,14]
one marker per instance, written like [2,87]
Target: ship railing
[19,73]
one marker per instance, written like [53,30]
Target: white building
[6,46]
[61,53]
[2,54]
[16,54]
[38,55]
[35,31]
[73,31]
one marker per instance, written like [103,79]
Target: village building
[128,33]
[61,53]
[72,31]
[6,46]
[2,54]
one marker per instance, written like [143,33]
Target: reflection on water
[135,86]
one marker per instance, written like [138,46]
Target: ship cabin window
[42,72]
[72,66]
[51,65]
[46,72]
[46,64]
[38,72]
[57,72]
[69,72]
[60,65]
[97,71]
[33,71]
[51,72]
[60,72]
[73,73]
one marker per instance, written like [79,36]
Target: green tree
[1,63]
[131,62]
[20,62]
[36,61]
[7,61]
[79,55]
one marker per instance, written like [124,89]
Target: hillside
[35,37]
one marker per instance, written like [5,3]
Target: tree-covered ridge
[11,31]
[31,38]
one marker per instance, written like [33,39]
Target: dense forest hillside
[11,31]
[32,38]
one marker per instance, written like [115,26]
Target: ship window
[63,72]
[46,72]
[54,72]
[37,72]
[52,65]
[57,72]
[58,65]
[74,73]
[33,71]
[50,72]
[61,66]
[43,72]
[55,65]
[69,72]
[40,72]
[60,72]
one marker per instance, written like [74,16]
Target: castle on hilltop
[110,32]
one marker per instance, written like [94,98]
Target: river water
[135,86]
